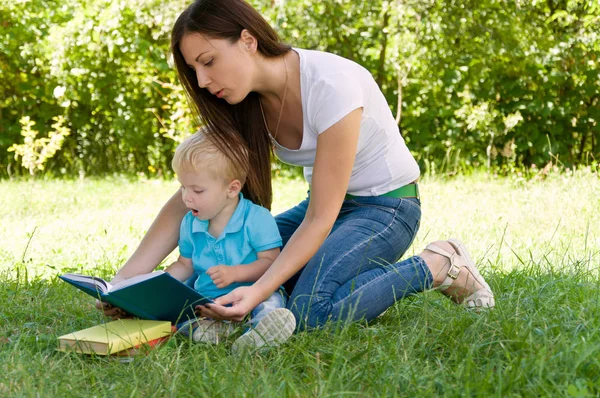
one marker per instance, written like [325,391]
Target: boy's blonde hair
[198,152]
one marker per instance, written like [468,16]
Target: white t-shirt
[331,87]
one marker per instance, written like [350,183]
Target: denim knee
[310,312]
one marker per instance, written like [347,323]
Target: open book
[154,296]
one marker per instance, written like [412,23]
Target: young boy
[227,241]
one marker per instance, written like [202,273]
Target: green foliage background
[494,82]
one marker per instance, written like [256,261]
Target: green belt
[407,191]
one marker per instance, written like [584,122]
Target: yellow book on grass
[114,336]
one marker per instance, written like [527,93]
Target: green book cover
[155,296]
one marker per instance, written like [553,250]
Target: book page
[134,280]
[92,282]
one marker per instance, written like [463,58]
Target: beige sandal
[482,298]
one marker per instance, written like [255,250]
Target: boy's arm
[224,275]
[253,271]
[181,269]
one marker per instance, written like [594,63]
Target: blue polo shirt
[250,230]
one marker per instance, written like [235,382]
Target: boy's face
[205,195]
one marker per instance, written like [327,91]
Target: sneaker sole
[275,328]
[211,332]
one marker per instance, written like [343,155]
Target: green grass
[538,243]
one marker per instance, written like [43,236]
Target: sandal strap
[451,276]
[436,249]
[453,271]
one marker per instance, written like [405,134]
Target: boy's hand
[222,275]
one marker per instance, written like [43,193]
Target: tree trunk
[382,52]
[582,147]
[399,111]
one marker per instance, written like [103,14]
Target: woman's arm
[159,241]
[336,151]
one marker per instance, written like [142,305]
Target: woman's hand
[243,300]
[110,311]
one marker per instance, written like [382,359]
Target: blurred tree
[493,83]
[103,65]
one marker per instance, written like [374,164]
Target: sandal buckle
[454,270]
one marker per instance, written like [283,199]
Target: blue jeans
[355,274]
[276,300]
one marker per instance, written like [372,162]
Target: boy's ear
[235,187]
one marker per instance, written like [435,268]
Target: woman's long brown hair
[239,125]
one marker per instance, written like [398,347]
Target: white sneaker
[211,331]
[275,328]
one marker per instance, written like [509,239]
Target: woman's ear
[248,41]
[234,188]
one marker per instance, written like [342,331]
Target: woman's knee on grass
[310,312]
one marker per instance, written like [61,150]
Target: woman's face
[221,67]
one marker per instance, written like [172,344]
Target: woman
[327,114]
